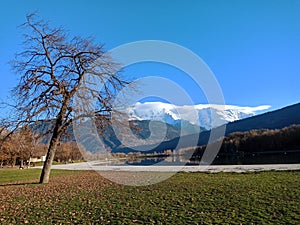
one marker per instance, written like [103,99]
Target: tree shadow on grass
[26,183]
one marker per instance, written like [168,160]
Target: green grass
[55,163]
[17,176]
[186,198]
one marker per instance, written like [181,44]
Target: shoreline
[96,165]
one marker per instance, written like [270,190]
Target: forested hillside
[264,140]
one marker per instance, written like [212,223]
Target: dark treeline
[263,140]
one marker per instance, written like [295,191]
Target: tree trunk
[14,160]
[49,159]
[21,163]
[51,152]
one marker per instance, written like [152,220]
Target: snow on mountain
[204,115]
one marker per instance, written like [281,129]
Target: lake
[282,157]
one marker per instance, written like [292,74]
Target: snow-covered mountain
[204,115]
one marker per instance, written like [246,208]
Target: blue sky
[252,47]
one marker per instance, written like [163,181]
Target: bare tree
[52,68]
[22,141]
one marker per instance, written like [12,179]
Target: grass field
[16,176]
[84,197]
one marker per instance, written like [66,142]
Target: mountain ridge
[276,119]
[205,115]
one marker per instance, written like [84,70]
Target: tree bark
[45,175]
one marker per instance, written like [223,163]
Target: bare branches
[52,69]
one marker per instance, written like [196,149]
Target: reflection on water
[255,158]
[259,158]
[155,160]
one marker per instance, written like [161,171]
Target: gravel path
[101,166]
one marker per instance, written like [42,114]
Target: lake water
[287,157]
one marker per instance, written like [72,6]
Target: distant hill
[272,120]
[141,131]
[277,119]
